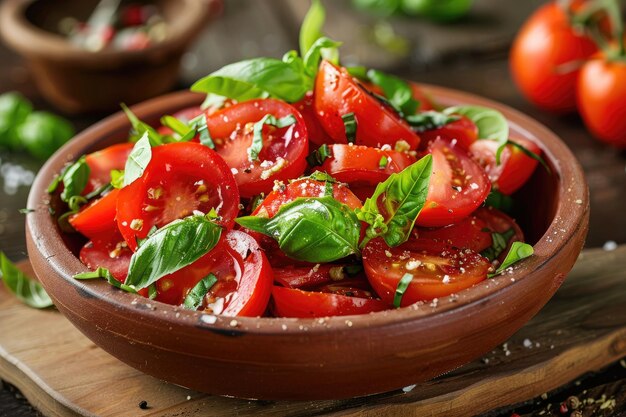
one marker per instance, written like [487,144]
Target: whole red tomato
[543,56]
[602,99]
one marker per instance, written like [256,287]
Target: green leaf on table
[171,248]
[393,208]
[26,289]
[428,120]
[518,251]
[397,91]
[315,229]
[195,297]
[74,179]
[14,109]
[311,28]
[499,242]
[138,160]
[491,124]
[257,139]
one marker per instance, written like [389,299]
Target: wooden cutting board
[583,328]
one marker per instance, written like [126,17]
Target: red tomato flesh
[102,162]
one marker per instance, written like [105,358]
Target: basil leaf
[358,71]
[530,154]
[104,273]
[318,156]
[403,284]
[428,120]
[195,297]
[138,160]
[257,78]
[257,140]
[518,251]
[152,291]
[179,127]
[105,188]
[213,101]
[499,243]
[75,179]
[350,126]
[323,47]
[393,208]
[140,129]
[491,124]
[172,248]
[117,178]
[397,91]
[311,28]
[499,201]
[316,229]
[27,290]
[384,161]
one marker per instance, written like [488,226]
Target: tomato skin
[463,130]
[545,42]
[97,218]
[102,162]
[180,178]
[515,166]
[244,278]
[311,276]
[231,130]
[337,94]
[290,302]
[469,233]
[111,253]
[426,102]
[452,166]
[317,134]
[429,262]
[602,98]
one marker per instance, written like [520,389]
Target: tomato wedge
[97,219]
[438,270]
[317,134]
[180,178]
[292,276]
[515,166]
[462,130]
[471,232]
[111,253]
[243,273]
[338,94]
[284,149]
[290,302]
[102,162]
[458,185]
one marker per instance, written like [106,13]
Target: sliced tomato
[102,162]
[290,302]
[354,287]
[97,219]
[284,151]
[458,185]
[244,278]
[461,131]
[515,166]
[337,94]
[111,253]
[317,134]
[471,232]
[185,116]
[180,178]
[361,166]
[292,276]
[438,270]
[420,95]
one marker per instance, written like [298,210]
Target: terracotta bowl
[79,81]
[337,357]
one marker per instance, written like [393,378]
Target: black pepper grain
[143,405]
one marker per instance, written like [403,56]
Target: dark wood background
[470,55]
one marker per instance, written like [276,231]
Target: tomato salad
[301,188]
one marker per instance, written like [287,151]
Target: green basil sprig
[429,120]
[491,124]
[403,284]
[105,274]
[311,28]
[316,229]
[257,139]
[393,208]
[397,91]
[318,156]
[195,297]
[140,128]
[499,201]
[499,242]
[172,248]
[138,160]
[322,48]
[185,131]
[518,251]
[26,289]
[74,179]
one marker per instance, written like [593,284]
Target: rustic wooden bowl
[337,357]
[79,81]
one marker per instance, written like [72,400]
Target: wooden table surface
[470,55]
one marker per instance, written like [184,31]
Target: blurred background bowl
[80,81]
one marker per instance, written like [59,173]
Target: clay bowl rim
[31,40]
[571,210]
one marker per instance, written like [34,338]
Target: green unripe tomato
[42,133]
[14,109]
[437,10]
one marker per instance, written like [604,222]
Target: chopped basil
[26,211]
[117,178]
[152,292]
[75,202]
[184,131]
[318,156]
[350,126]
[105,274]
[105,188]
[428,120]
[403,195]
[403,284]
[499,243]
[74,179]
[530,154]
[140,129]
[384,161]
[26,289]
[171,248]
[203,130]
[358,71]
[256,201]
[315,229]
[397,91]
[517,252]
[257,140]
[321,176]
[138,160]
[323,47]
[499,201]
[195,297]
[213,101]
